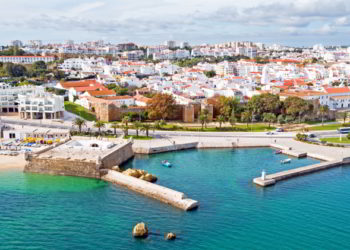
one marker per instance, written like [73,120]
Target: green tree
[114,126]
[39,66]
[246,117]
[296,107]
[344,116]
[204,118]
[137,126]
[265,103]
[99,125]
[323,110]
[79,123]
[270,118]
[125,121]
[221,119]
[281,119]
[210,74]
[161,106]
[233,119]
[146,127]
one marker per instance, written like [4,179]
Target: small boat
[278,152]
[286,161]
[165,163]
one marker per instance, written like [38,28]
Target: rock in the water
[141,174]
[140,230]
[170,236]
[116,168]
[132,172]
[150,178]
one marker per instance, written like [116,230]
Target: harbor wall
[61,166]
[162,149]
[89,168]
[117,156]
[163,194]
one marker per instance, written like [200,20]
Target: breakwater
[268,180]
[163,194]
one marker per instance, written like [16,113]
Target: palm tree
[137,126]
[115,126]
[233,120]
[246,117]
[125,121]
[323,110]
[221,119]
[146,127]
[99,125]
[270,118]
[345,116]
[80,123]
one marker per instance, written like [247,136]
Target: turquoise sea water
[310,212]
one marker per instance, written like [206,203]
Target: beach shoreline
[12,162]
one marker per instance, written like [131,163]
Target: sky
[149,22]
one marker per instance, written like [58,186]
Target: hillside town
[111,80]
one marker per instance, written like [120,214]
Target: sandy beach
[12,162]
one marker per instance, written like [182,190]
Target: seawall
[43,163]
[288,174]
[163,194]
[162,149]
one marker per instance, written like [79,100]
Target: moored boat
[165,163]
[286,161]
[278,152]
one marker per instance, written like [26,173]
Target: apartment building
[41,105]
[26,59]
[9,96]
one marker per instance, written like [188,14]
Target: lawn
[140,137]
[336,140]
[236,128]
[329,127]
[80,111]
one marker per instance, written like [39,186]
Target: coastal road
[159,133]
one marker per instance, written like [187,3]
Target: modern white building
[41,105]
[26,59]
[170,44]
[9,96]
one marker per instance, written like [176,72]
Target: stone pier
[288,174]
[163,194]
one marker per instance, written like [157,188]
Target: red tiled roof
[337,90]
[123,97]
[83,83]
[101,92]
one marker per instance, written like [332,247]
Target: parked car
[270,133]
[279,130]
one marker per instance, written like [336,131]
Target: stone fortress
[99,159]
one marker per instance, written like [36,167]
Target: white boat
[286,161]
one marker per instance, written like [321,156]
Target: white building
[26,59]
[9,96]
[170,44]
[16,43]
[41,105]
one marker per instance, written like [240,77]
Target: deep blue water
[310,212]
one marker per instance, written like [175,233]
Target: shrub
[301,137]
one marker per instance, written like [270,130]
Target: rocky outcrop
[140,230]
[140,174]
[170,236]
[116,168]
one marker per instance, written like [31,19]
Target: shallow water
[310,212]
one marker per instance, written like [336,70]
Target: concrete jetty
[163,194]
[290,151]
[271,179]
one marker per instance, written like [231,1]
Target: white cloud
[157,19]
